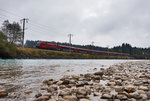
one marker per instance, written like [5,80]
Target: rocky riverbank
[127,81]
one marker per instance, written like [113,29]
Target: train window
[38,42]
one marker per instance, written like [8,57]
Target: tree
[12,31]
[127,48]
[7,50]
[3,37]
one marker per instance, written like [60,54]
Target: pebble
[52,100]
[28,91]
[38,95]
[84,99]
[42,98]
[106,96]
[70,98]
[125,81]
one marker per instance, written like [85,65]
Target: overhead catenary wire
[41,26]
[33,27]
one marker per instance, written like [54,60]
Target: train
[55,46]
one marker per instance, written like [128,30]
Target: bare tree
[12,31]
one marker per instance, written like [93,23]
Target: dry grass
[59,54]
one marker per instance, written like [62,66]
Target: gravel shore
[128,81]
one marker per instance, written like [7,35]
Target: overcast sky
[106,22]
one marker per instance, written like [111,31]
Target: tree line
[10,36]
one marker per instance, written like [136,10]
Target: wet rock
[75,77]
[81,83]
[12,95]
[137,83]
[65,92]
[72,82]
[96,77]
[106,96]
[121,97]
[49,82]
[70,85]
[88,75]
[59,82]
[116,100]
[96,81]
[42,98]
[3,93]
[118,77]
[47,94]
[96,94]
[84,99]
[135,95]
[118,82]
[45,81]
[119,88]
[107,90]
[82,91]
[62,86]
[44,88]
[28,91]
[65,77]
[38,95]
[51,100]
[143,88]
[103,100]
[140,91]
[88,90]
[79,96]
[142,76]
[111,83]
[148,95]
[129,88]
[82,79]
[145,81]
[144,96]
[70,98]
[50,89]
[55,81]
[132,99]
[66,82]
[99,73]
[22,95]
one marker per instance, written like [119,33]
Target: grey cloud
[107,22]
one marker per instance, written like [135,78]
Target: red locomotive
[53,46]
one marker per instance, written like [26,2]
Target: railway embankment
[121,82]
[34,53]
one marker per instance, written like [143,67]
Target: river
[20,75]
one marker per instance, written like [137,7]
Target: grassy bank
[43,53]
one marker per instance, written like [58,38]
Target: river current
[27,74]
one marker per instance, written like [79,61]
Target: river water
[27,74]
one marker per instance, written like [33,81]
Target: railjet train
[53,46]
